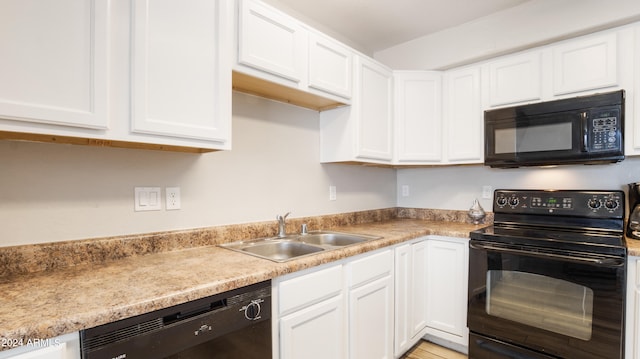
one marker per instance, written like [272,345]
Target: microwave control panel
[604,130]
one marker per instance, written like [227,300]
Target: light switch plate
[147,199]
[487,192]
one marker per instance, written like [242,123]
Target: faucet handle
[282,218]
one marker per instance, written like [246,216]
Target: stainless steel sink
[280,251]
[296,246]
[334,239]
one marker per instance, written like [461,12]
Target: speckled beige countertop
[633,247]
[48,303]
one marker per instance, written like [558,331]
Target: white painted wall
[52,192]
[531,24]
[456,187]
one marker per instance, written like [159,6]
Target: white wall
[456,187]
[531,24]
[52,192]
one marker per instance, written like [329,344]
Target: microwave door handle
[585,131]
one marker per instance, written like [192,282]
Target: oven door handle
[606,261]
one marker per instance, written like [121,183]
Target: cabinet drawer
[309,288]
[369,268]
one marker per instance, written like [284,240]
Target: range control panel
[607,204]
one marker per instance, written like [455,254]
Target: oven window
[551,137]
[542,302]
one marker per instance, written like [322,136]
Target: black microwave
[580,130]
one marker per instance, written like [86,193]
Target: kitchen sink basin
[334,239]
[295,246]
[281,251]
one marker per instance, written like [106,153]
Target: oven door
[550,302]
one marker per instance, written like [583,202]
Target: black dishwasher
[230,325]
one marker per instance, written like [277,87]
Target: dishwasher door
[230,325]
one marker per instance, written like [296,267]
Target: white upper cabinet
[515,79]
[362,132]
[418,117]
[463,116]
[632,119]
[281,58]
[375,107]
[585,64]
[180,82]
[271,41]
[330,65]
[138,74]
[54,63]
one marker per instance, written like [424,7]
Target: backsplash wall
[456,187]
[52,192]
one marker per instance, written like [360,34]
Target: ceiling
[375,25]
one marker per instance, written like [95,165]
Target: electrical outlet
[147,199]
[332,193]
[173,198]
[405,190]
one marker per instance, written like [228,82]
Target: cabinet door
[330,66]
[66,346]
[463,118]
[316,332]
[410,301]
[371,320]
[418,116]
[271,41]
[585,64]
[402,302]
[515,79]
[374,108]
[632,342]
[53,67]
[419,272]
[446,286]
[181,78]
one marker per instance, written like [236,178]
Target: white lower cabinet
[376,305]
[341,310]
[632,337]
[371,306]
[410,294]
[308,315]
[446,293]
[62,347]
[315,332]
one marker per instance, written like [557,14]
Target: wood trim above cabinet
[259,87]
[97,142]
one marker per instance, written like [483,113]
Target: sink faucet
[282,230]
